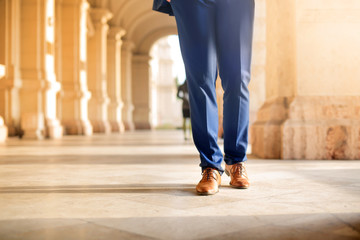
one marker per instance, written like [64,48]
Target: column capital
[141,58]
[100,15]
[116,33]
[128,45]
[83,3]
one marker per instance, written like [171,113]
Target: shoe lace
[238,168]
[208,174]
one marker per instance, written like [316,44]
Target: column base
[143,126]
[53,129]
[127,114]
[77,127]
[3,131]
[32,126]
[33,134]
[322,128]
[310,127]
[265,132]
[117,126]
[142,118]
[114,115]
[129,126]
[14,130]
[101,126]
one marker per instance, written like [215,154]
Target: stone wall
[312,81]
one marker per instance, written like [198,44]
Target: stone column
[312,108]
[9,65]
[126,84]
[141,91]
[114,78]
[97,71]
[39,85]
[71,16]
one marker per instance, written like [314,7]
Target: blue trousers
[216,36]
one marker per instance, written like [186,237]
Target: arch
[128,11]
[148,41]
[147,23]
[143,28]
[119,14]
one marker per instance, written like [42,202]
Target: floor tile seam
[252,214]
[116,229]
[84,223]
[312,201]
[81,222]
[280,194]
[151,204]
[122,192]
[346,223]
[298,228]
[160,205]
[304,227]
[237,231]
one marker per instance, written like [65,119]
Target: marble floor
[140,185]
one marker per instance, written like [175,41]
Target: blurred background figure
[183,94]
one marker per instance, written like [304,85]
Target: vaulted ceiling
[143,26]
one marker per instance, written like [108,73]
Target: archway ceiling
[143,26]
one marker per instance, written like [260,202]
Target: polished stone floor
[140,185]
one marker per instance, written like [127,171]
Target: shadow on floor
[100,159]
[316,226]
[171,189]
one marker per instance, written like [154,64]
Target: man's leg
[234,30]
[195,22]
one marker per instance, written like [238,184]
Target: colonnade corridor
[141,185]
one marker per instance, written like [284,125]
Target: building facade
[83,67]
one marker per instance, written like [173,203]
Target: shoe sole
[237,187]
[207,193]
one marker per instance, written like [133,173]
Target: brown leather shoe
[210,182]
[238,175]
